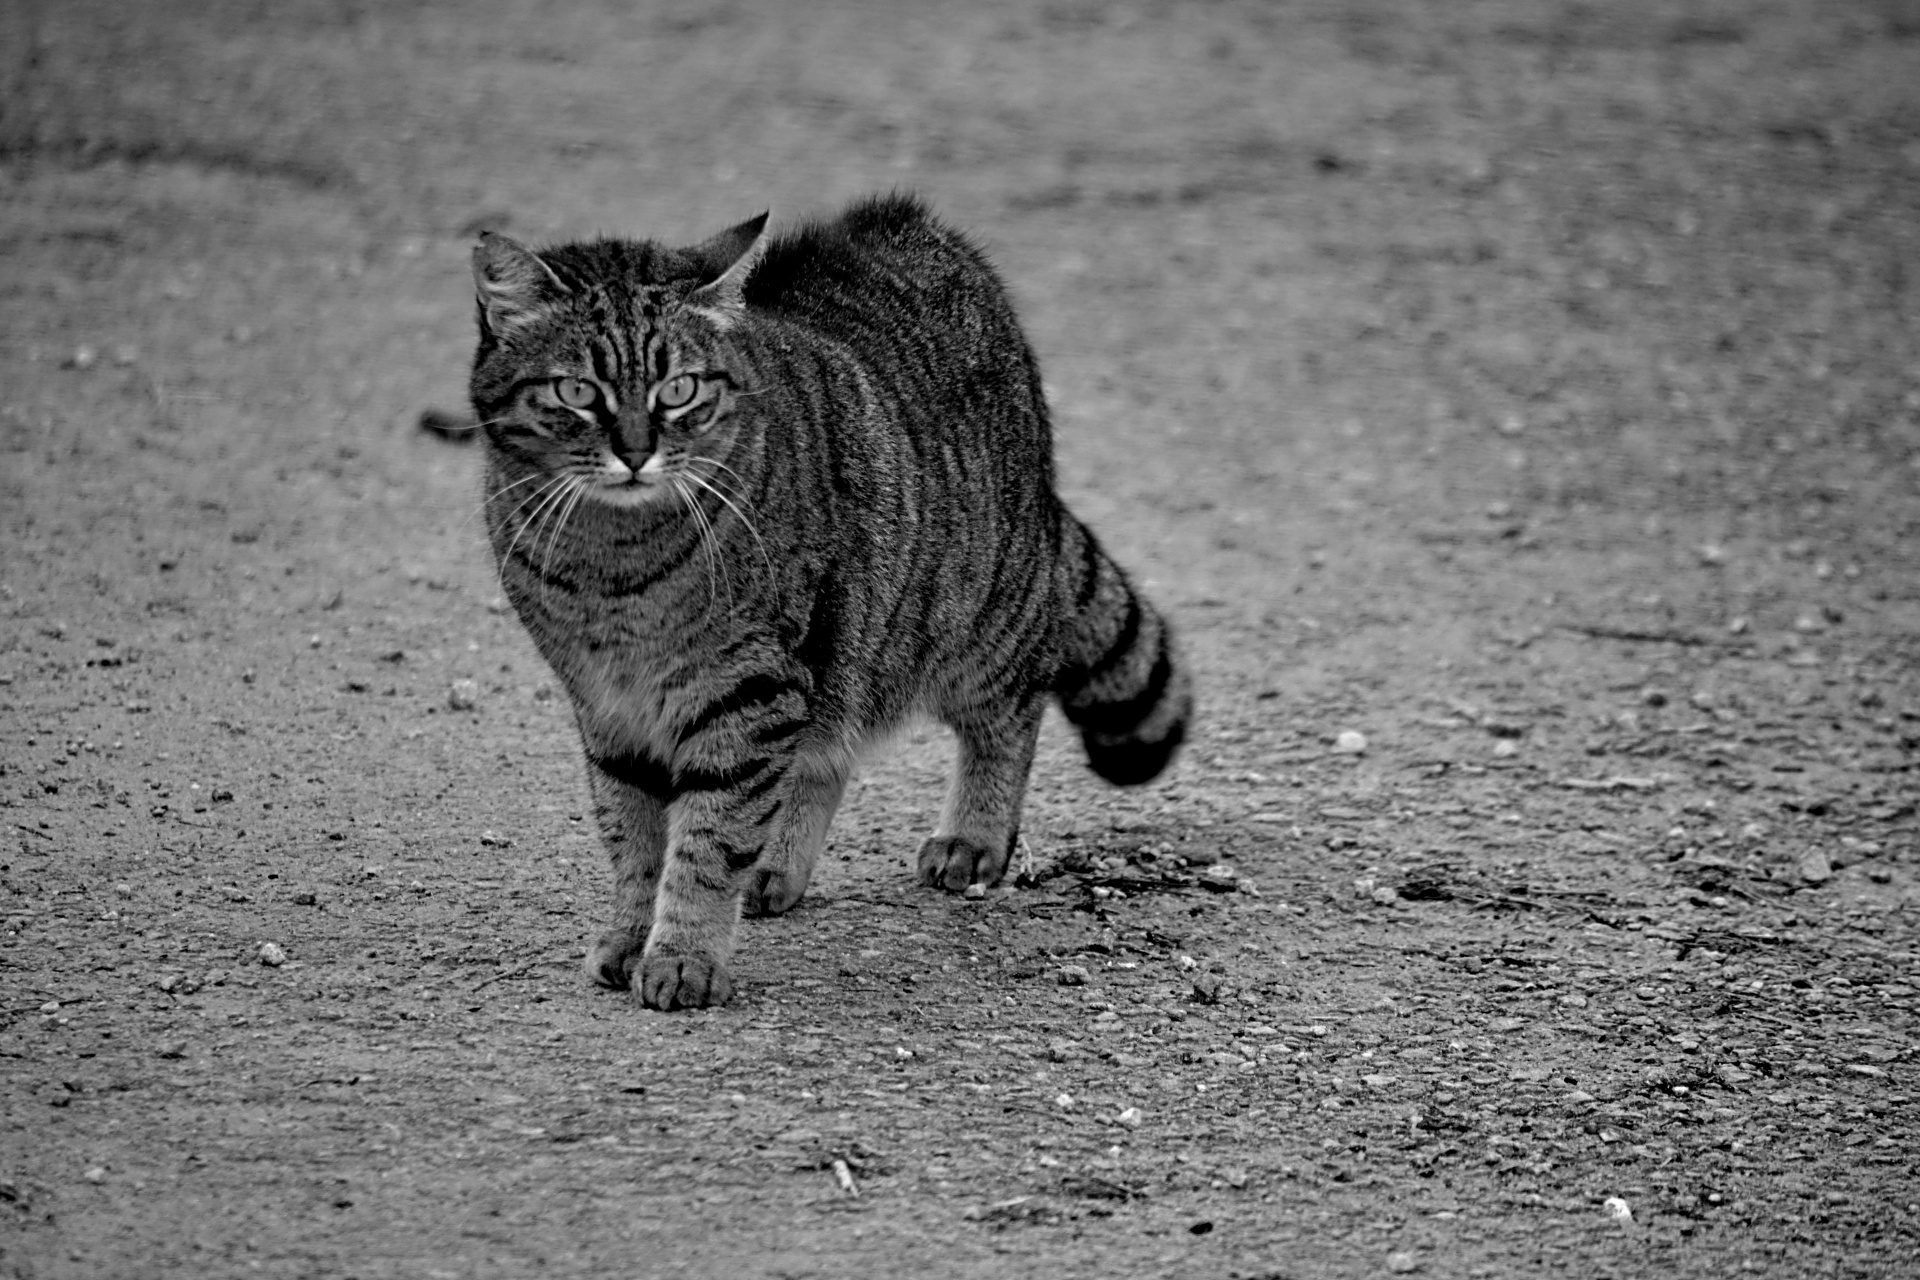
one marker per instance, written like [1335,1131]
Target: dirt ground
[1529,388]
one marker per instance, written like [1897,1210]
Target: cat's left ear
[512,283]
[726,261]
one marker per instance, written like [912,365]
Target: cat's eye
[575,393]
[676,392]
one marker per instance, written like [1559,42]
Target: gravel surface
[1515,405]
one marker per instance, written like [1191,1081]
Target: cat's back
[883,272]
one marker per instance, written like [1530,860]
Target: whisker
[719,465]
[505,489]
[488,500]
[708,543]
[576,490]
[738,513]
[548,494]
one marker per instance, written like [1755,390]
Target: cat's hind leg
[777,880]
[977,830]
[629,804]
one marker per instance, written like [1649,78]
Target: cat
[758,502]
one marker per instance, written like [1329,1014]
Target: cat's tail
[1120,681]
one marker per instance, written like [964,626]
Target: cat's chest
[632,675]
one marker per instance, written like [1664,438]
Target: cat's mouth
[619,484]
[633,489]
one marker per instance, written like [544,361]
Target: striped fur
[759,501]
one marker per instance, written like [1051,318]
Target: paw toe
[683,982]
[953,863]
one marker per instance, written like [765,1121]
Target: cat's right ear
[512,283]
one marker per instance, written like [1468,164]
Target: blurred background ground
[1528,388]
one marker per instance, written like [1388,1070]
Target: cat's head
[608,362]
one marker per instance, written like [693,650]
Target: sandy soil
[1528,388]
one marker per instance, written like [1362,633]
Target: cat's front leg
[712,843]
[629,803]
[734,782]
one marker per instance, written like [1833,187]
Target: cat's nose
[632,443]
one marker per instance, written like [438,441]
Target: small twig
[34,831]
[1494,901]
[1616,783]
[62,1001]
[504,974]
[1640,635]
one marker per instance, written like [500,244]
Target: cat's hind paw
[613,957]
[770,892]
[954,862]
[669,982]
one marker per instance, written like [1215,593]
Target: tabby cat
[759,501]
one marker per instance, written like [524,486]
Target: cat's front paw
[613,957]
[682,982]
[954,862]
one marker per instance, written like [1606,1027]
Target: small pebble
[1385,895]
[271,955]
[1506,748]
[976,891]
[1402,1262]
[51,1006]
[123,890]
[1130,1117]
[1064,1101]
[1350,742]
[1220,876]
[463,695]
[1617,1209]
[95,1175]
[1072,975]
[83,357]
[1815,868]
